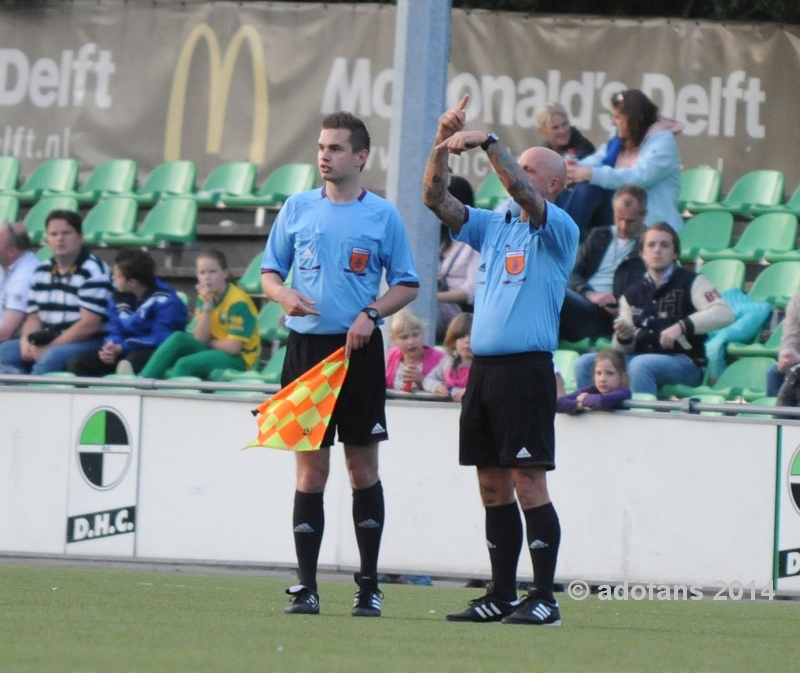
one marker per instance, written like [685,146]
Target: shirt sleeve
[658,157]
[396,254]
[279,250]
[95,293]
[713,312]
[15,291]
[241,321]
[473,231]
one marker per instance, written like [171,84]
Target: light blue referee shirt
[339,252]
[522,279]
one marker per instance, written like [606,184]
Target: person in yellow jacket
[224,332]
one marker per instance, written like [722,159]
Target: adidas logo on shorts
[369,523]
[378,429]
[303,528]
[523,453]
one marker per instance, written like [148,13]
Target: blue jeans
[648,371]
[589,205]
[774,381]
[55,358]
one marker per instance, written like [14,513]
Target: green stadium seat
[114,215]
[117,176]
[776,284]
[710,398]
[565,361]
[183,297]
[172,178]
[699,186]
[760,402]
[35,219]
[791,206]
[710,231]
[757,188]
[282,183]
[643,397]
[48,178]
[250,281]
[44,253]
[582,346]
[9,208]
[765,235]
[271,372]
[768,349]
[743,378]
[491,192]
[232,179]
[724,273]
[9,174]
[172,220]
[269,323]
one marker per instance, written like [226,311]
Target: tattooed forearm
[434,191]
[517,183]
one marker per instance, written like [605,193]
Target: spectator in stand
[142,313]
[449,379]
[642,151]
[458,266]
[609,390]
[410,360]
[225,329]
[17,264]
[663,319]
[607,264]
[559,136]
[66,305]
[789,353]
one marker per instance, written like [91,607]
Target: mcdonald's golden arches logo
[220,73]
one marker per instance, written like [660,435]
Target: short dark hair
[667,229]
[359,136]
[69,216]
[137,265]
[632,190]
[462,190]
[640,113]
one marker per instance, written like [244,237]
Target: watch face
[373,313]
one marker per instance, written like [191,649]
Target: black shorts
[360,411]
[508,412]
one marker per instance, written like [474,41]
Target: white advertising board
[788,543]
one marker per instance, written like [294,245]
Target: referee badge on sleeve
[515,261]
[359,257]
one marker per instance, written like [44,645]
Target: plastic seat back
[712,230]
[271,373]
[9,208]
[491,192]
[745,374]
[269,323]
[173,220]
[763,187]
[171,178]
[775,232]
[724,273]
[55,175]
[776,284]
[114,215]
[236,177]
[250,281]
[112,177]
[285,181]
[9,173]
[35,219]
[699,186]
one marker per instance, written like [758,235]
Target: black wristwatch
[372,313]
[490,140]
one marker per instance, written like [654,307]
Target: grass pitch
[71,620]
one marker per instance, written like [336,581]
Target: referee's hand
[359,334]
[297,304]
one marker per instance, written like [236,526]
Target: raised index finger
[463,104]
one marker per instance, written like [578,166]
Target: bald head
[546,171]
[14,241]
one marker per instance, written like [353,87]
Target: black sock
[544,536]
[309,523]
[504,539]
[368,517]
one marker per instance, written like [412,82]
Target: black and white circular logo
[104,449]
[794,479]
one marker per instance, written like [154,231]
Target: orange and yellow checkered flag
[296,418]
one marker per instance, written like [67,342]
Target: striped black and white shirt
[58,298]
